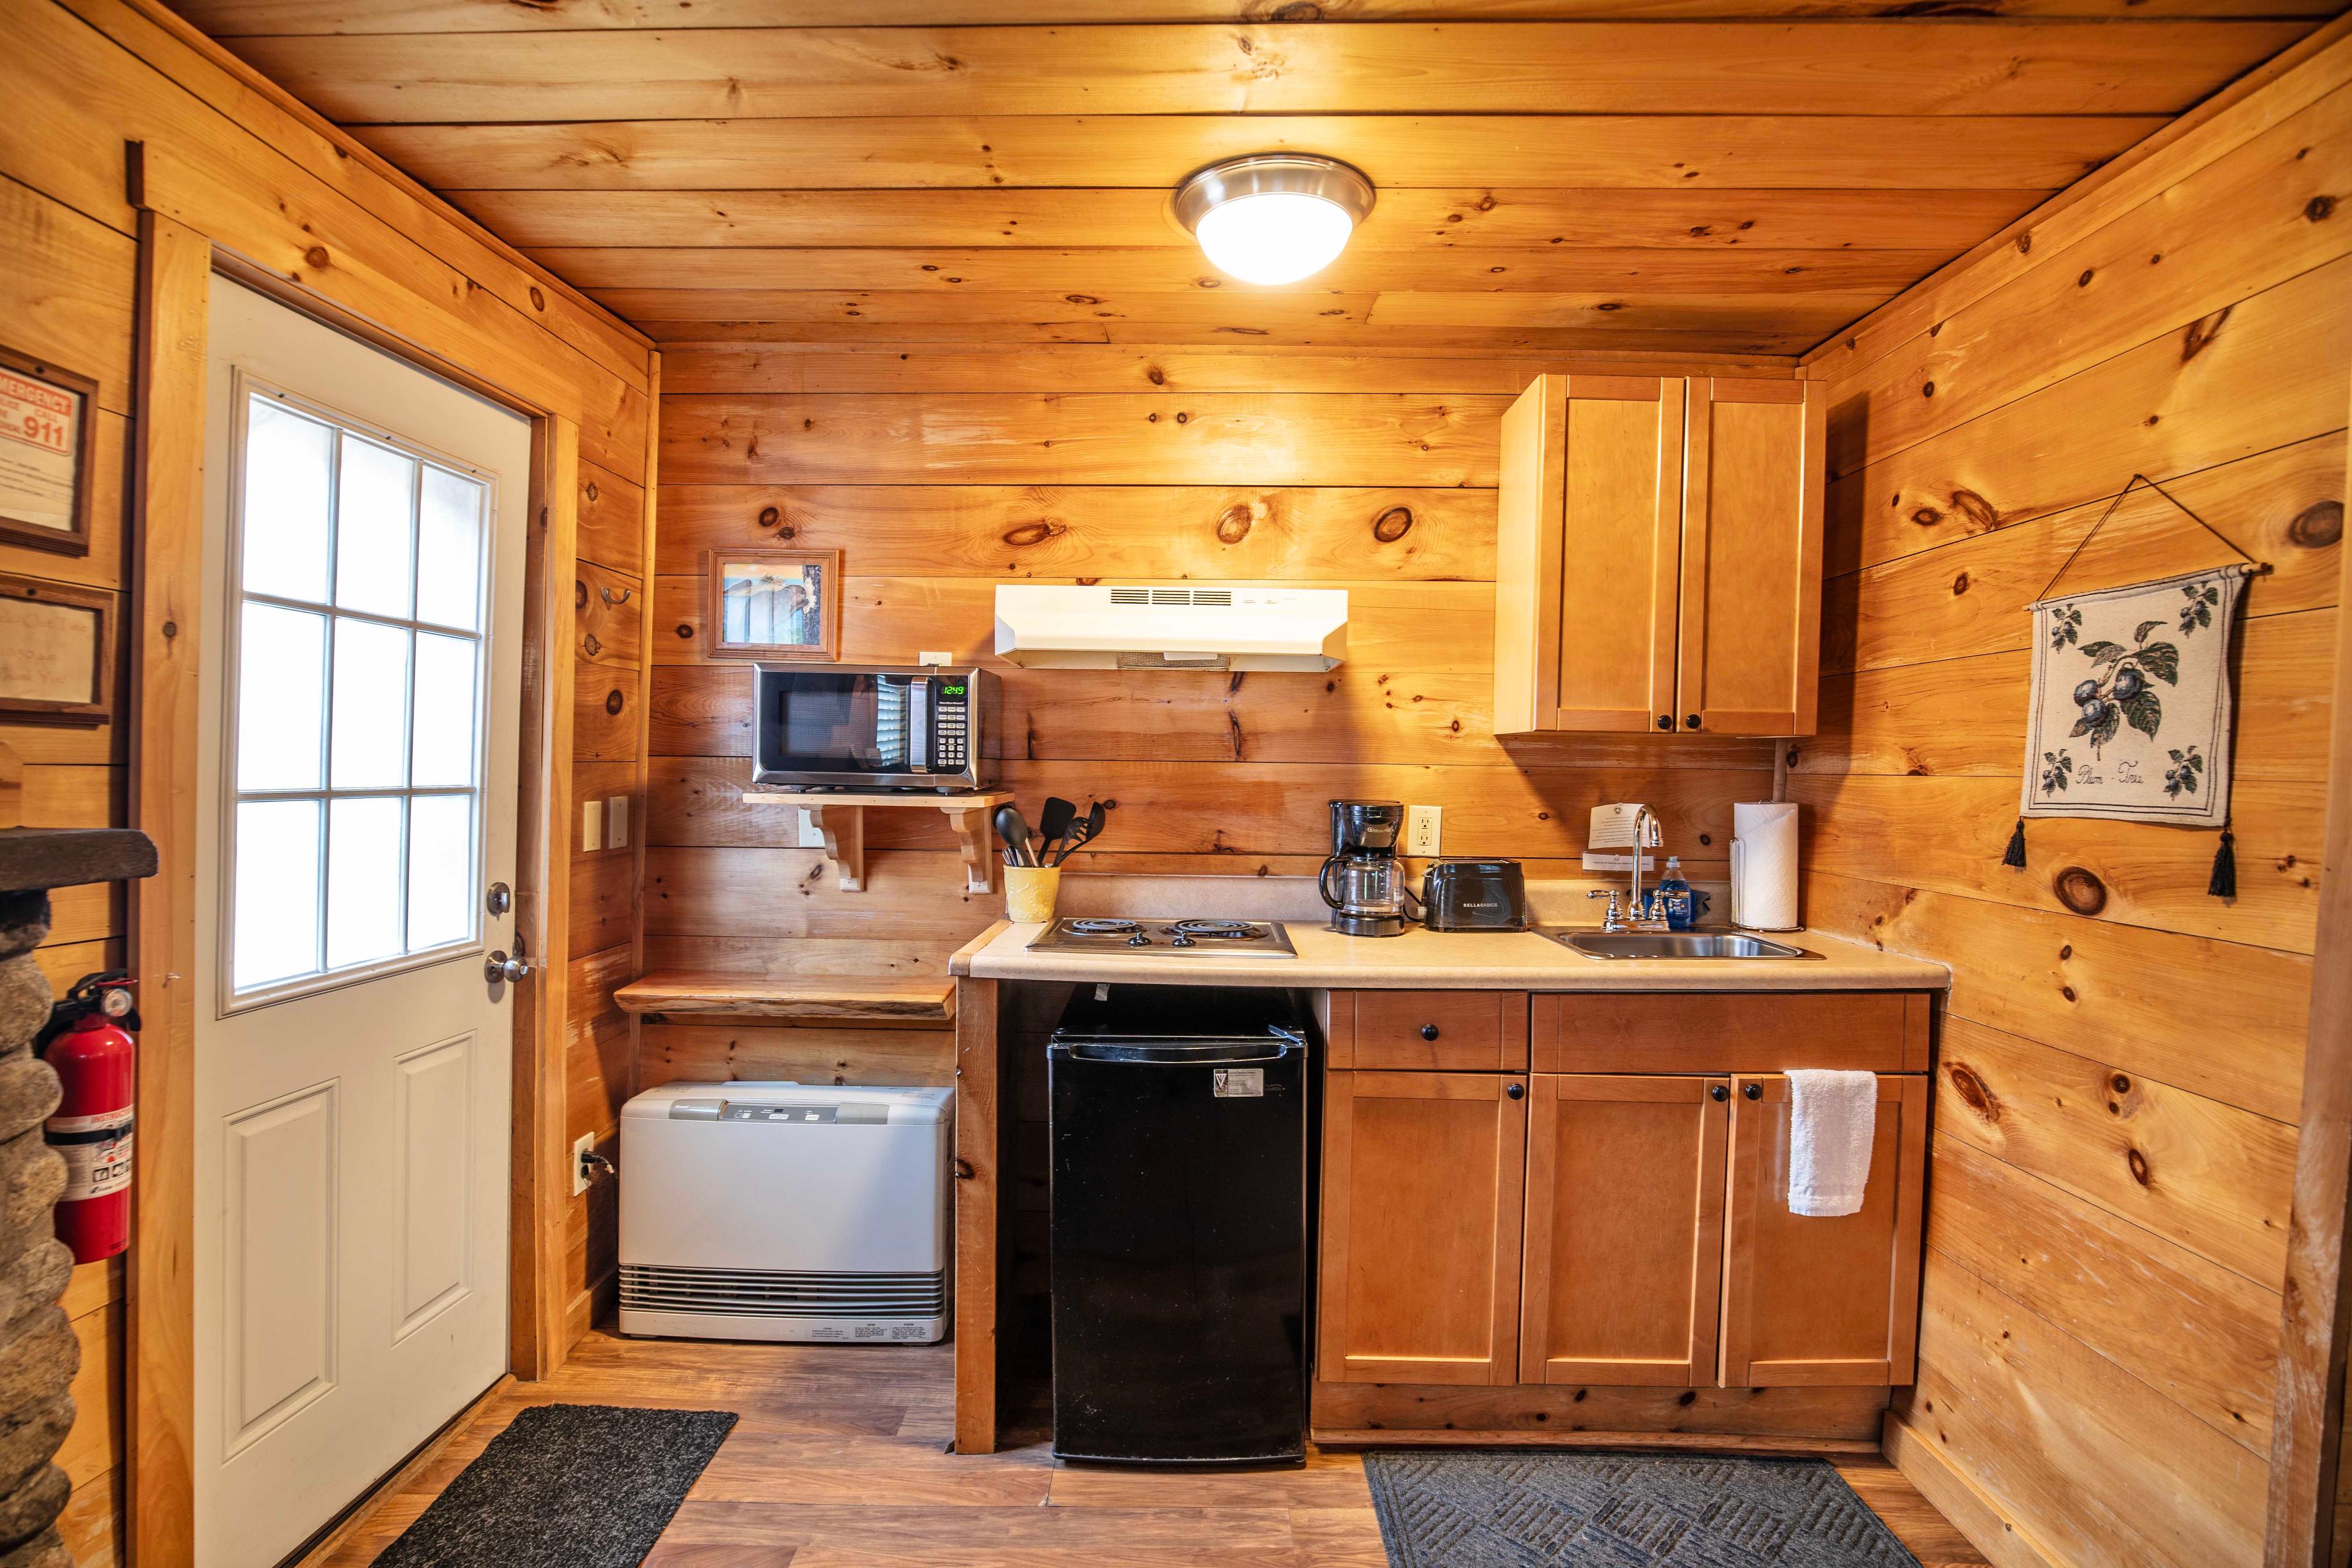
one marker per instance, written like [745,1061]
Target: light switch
[592,825]
[616,822]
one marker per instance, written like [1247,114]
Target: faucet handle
[1613,916]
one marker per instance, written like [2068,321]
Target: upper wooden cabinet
[1659,555]
[1422,1181]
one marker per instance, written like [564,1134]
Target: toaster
[1473,895]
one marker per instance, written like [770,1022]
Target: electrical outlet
[616,822]
[812,836]
[1420,829]
[581,1147]
[592,825]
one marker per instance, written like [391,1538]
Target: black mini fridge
[1179,1224]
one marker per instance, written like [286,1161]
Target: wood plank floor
[839,1462]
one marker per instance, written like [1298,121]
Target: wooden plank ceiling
[1737,176]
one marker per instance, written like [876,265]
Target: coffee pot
[1363,881]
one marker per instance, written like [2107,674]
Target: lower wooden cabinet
[1814,1302]
[1624,1229]
[1607,1230]
[1419,1278]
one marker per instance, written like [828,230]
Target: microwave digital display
[871,727]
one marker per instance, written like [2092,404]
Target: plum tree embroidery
[2057,767]
[2065,624]
[2118,693]
[2198,611]
[2182,777]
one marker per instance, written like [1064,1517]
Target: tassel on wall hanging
[2133,699]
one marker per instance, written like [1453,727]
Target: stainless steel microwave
[870,726]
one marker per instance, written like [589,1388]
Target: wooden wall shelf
[817,999]
[842,819]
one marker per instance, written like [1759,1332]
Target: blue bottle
[1676,894]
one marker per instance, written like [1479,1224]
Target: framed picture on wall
[56,651]
[773,603]
[48,453]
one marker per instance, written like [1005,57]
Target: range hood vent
[1145,628]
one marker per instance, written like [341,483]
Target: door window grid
[276,947]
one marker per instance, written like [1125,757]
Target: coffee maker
[1363,881]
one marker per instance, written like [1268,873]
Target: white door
[363,537]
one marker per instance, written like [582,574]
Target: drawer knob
[1720,1092]
[1429,1031]
[1752,1090]
[1514,1089]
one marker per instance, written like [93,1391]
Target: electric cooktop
[1172,939]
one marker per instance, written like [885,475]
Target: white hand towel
[1832,1117]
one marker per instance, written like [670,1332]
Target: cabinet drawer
[1429,1031]
[1730,1031]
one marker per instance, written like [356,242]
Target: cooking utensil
[1053,824]
[1083,832]
[1015,831]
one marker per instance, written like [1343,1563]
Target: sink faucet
[1646,822]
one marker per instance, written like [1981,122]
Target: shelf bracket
[972,826]
[843,828]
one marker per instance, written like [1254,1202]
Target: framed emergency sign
[48,451]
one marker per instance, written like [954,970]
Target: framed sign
[773,603]
[48,451]
[56,651]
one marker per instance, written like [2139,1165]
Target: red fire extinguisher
[89,1042]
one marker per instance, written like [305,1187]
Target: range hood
[1226,627]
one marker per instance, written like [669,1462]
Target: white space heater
[786,1211]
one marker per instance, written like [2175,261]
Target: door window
[358,570]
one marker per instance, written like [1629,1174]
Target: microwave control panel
[953,729]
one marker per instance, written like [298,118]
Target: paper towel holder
[1739,882]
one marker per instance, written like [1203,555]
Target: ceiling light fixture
[1274,218]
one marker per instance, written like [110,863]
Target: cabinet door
[1624,1229]
[1590,515]
[1420,1280]
[1751,556]
[1821,1302]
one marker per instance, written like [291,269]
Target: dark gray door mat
[1519,1507]
[567,1486]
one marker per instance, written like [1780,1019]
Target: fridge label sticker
[1240,1083]
[1102,993]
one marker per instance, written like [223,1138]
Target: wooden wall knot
[614,702]
[591,493]
[1026,535]
[1972,1090]
[579,595]
[590,646]
[318,259]
[2319,210]
[2080,889]
[770,515]
[2138,1163]
[2199,335]
[2316,526]
[1981,514]
[1392,524]
[1234,523]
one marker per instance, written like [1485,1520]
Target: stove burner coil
[1101,927]
[1229,931]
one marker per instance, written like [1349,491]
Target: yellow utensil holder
[1030,891]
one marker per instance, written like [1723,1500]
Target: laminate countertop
[1422,960]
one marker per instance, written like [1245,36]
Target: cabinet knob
[1752,1090]
[1429,1031]
[1514,1089]
[1720,1092]
[1666,720]
[1690,721]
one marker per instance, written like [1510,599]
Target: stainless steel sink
[1672,944]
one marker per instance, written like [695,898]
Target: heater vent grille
[774,1293]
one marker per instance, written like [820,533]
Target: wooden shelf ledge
[820,999]
[842,819]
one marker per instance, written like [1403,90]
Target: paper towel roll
[1764,864]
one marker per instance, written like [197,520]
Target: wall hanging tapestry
[2132,701]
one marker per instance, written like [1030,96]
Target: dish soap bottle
[1676,894]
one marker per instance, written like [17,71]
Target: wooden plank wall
[246,167]
[2114,1129]
[940,471]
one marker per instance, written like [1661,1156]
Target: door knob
[1429,1031]
[499,968]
